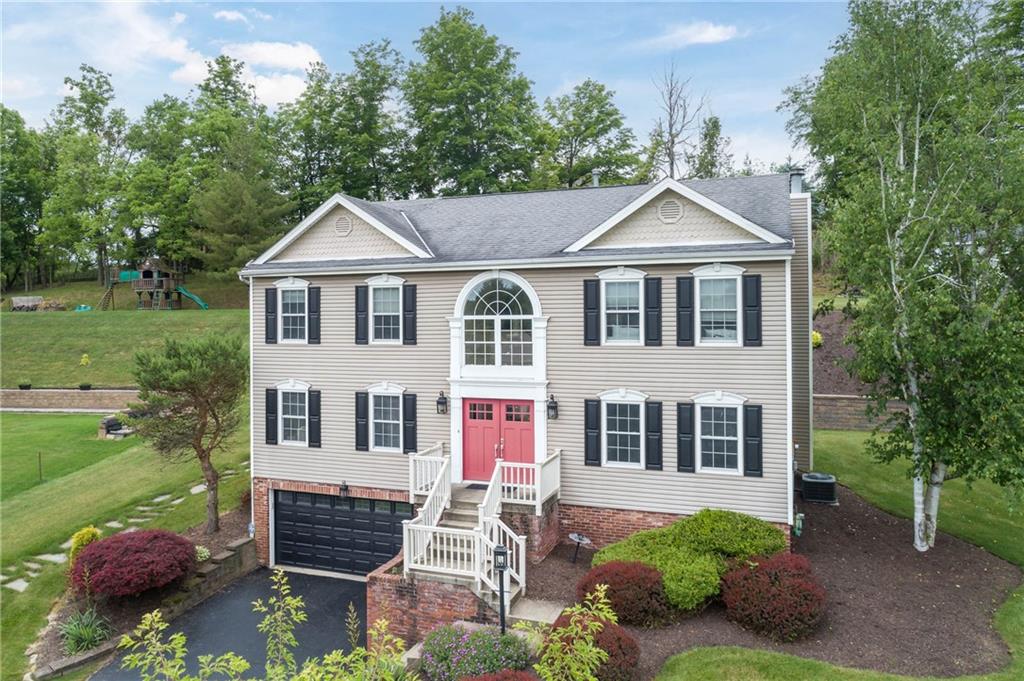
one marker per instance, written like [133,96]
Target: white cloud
[276,88]
[678,36]
[21,88]
[178,18]
[256,14]
[231,15]
[285,56]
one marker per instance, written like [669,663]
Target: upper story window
[622,298]
[386,417]
[498,317]
[294,317]
[719,431]
[293,412]
[623,432]
[718,304]
[386,309]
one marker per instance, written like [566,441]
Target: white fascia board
[326,207]
[532,263]
[685,192]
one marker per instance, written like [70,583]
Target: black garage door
[340,534]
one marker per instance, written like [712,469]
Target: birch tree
[915,121]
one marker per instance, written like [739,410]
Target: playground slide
[193,297]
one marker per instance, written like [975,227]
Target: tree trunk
[212,479]
[931,502]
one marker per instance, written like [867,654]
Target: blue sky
[741,55]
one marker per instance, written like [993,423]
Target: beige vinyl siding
[697,225]
[802,381]
[668,374]
[321,241]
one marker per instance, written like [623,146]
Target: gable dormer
[672,214]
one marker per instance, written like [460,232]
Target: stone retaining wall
[99,399]
[845,412]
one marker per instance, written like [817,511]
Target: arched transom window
[498,316]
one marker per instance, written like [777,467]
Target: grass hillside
[45,348]
[219,292]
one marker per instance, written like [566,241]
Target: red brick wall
[415,606]
[542,532]
[261,492]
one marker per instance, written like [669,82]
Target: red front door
[494,429]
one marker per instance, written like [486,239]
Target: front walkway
[226,623]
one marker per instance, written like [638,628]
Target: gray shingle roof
[541,224]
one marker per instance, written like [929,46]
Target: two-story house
[453,374]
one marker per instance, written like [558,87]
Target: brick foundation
[414,605]
[261,492]
[542,532]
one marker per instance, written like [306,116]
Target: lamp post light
[501,565]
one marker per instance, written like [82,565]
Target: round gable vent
[343,225]
[670,211]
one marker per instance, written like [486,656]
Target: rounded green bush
[691,579]
[729,534]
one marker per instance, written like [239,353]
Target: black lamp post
[552,408]
[501,565]
[442,403]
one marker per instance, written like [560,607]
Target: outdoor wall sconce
[552,408]
[343,489]
[442,403]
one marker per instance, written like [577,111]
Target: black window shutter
[684,437]
[592,312]
[409,423]
[362,422]
[362,314]
[270,315]
[752,309]
[313,307]
[752,465]
[652,311]
[314,418]
[592,427]
[653,435]
[684,311]
[271,416]
[409,314]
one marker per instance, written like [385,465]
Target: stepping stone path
[17,577]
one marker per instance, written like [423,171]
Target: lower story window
[622,421]
[719,438]
[293,417]
[387,422]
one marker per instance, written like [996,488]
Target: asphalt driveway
[225,621]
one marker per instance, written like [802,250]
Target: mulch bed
[124,614]
[891,609]
[830,375]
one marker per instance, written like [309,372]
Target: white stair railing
[531,484]
[493,532]
[418,536]
[424,468]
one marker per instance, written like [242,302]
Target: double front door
[495,429]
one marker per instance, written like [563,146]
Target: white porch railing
[531,484]
[417,535]
[424,468]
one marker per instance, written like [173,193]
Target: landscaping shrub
[130,563]
[451,653]
[505,675]
[778,596]
[623,650]
[691,553]
[636,591]
[83,631]
[81,539]
[202,553]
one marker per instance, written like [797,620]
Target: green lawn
[62,443]
[979,515]
[46,348]
[43,516]
[219,292]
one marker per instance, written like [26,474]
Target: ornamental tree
[915,124]
[191,392]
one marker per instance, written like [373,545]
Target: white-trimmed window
[719,432]
[622,302]
[385,309]
[718,304]
[498,317]
[622,432]
[294,313]
[386,417]
[293,412]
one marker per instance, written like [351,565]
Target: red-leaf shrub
[504,675]
[623,651]
[636,591]
[778,596]
[129,563]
